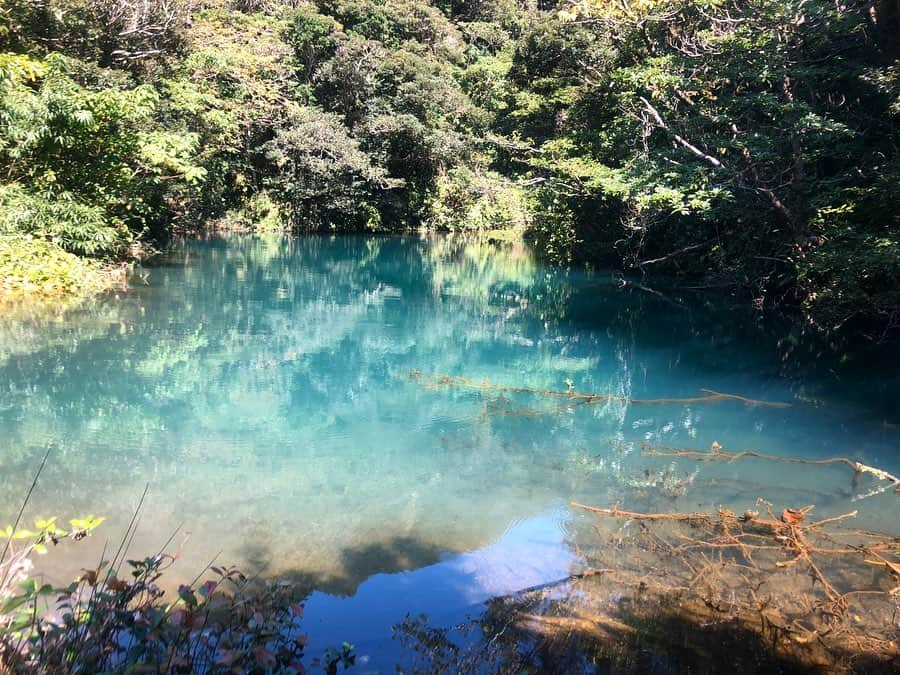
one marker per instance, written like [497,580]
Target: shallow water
[261,386]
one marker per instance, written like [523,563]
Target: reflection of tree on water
[565,634]
[254,383]
[272,359]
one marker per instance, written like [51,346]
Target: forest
[643,276]
[749,146]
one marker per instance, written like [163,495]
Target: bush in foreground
[223,622]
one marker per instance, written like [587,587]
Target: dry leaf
[792,516]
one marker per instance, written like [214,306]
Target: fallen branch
[767,588]
[686,249]
[615,512]
[723,561]
[717,454]
[435,381]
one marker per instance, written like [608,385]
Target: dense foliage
[742,144]
[222,623]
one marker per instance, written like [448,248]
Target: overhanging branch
[661,123]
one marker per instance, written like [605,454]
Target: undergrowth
[118,617]
[29,265]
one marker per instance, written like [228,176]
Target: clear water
[261,386]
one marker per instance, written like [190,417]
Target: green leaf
[12,603]
[29,586]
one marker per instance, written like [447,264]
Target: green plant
[470,200]
[29,265]
[104,623]
[323,176]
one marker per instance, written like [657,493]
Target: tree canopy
[749,145]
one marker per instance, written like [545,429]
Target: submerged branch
[616,512]
[760,566]
[717,454]
[434,381]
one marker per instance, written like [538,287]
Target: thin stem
[19,516]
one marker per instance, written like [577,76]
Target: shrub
[73,226]
[104,623]
[29,265]
[324,179]
[260,214]
[472,200]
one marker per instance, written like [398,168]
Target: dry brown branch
[787,534]
[835,519]
[717,454]
[780,577]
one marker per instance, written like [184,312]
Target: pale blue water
[261,387]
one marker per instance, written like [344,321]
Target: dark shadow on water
[562,636]
[397,554]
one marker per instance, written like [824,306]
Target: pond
[285,400]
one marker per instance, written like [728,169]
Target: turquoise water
[261,386]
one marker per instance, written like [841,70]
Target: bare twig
[717,454]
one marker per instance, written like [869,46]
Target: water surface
[261,386]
